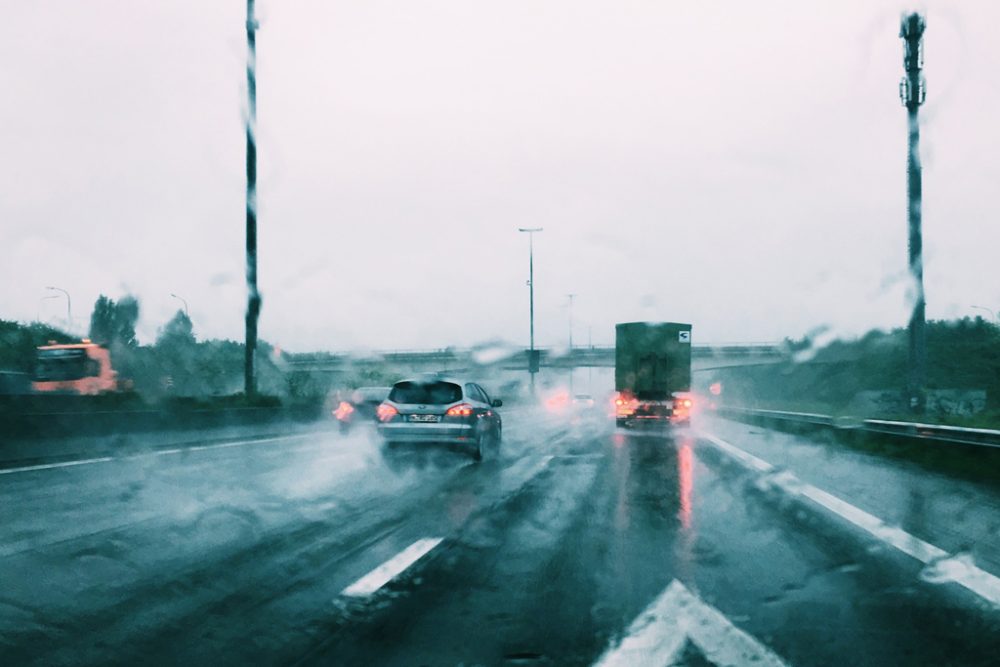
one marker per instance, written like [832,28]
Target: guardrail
[909,430]
[62,424]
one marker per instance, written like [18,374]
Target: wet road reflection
[685,478]
[549,550]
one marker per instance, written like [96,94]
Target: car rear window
[426,393]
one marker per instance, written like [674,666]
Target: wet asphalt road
[546,553]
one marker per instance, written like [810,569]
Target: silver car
[441,411]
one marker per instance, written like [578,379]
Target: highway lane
[112,542]
[565,579]
[959,515]
[547,554]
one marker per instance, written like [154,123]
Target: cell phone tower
[253,295]
[913,92]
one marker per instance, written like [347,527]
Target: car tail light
[343,410]
[460,410]
[385,412]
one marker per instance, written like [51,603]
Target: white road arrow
[658,635]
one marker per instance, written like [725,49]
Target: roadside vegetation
[177,371]
[865,378]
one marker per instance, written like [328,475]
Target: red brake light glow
[343,410]
[460,410]
[385,412]
[625,405]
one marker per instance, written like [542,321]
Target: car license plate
[424,419]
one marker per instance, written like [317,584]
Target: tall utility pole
[253,296]
[532,353]
[912,92]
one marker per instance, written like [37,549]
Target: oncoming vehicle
[441,411]
[360,406]
[75,368]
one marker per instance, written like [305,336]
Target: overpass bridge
[460,360]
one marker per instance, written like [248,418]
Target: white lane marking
[657,636]
[49,466]
[392,568]
[162,452]
[961,571]
[745,458]
[513,479]
[239,443]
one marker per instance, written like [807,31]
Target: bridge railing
[548,355]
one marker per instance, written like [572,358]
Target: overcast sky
[737,165]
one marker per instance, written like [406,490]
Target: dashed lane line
[161,452]
[50,466]
[518,477]
[392,568]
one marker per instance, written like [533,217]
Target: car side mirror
[496,403]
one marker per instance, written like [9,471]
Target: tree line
[176,364]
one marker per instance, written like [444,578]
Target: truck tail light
[460,410]
[385,412]
[624,405]
[682,409]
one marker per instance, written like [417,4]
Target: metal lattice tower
[912,92]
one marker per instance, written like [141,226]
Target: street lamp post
[184,301]
[571,297]
[69,307]
[532,355]
[988,310]
[38,314]
[590,366]
[572,363]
